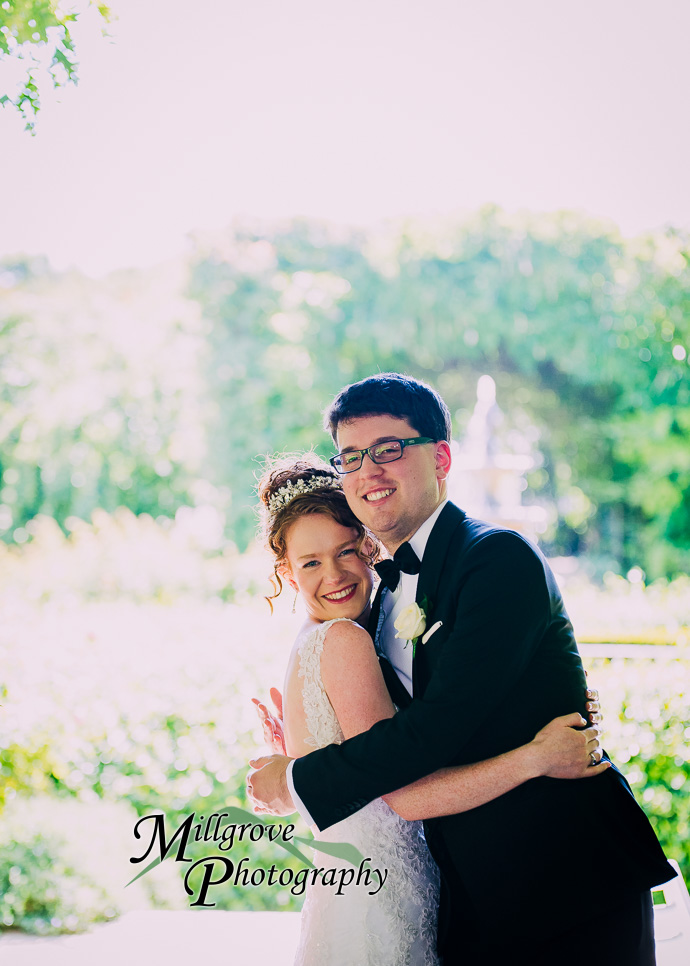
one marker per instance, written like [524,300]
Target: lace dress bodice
[397,925]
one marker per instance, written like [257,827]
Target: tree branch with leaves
[37,32]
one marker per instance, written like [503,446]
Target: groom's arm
[503,609]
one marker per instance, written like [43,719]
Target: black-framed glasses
[386,452]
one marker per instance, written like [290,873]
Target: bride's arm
[557,751]
[353,681]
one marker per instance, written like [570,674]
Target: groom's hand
[267,786]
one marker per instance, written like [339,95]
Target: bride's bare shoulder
[341,631]
[352,677]
[337,633]
[346,639]
[343,642]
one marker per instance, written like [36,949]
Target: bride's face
[322,564]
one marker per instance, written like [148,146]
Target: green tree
[586,336]
[101,403]
[37,33]
[279,349]
[123,392]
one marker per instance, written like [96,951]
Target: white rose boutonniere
[410,623]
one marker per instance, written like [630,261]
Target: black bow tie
[405,560]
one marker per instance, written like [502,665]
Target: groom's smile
[375,495]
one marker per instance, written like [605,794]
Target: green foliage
[41,893]
[24,770]
[144,705]
[37,33]
[585,335]
[646,730]
[123,402]
[125,558]
[124,392]
[629,612]
[100,403]
[63,865]
[147,704]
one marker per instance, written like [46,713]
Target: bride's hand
[272,724]
[267,786]
[563,751]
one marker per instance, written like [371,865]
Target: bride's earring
[294,603]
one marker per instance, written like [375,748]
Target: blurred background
[238,210]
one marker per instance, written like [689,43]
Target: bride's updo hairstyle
[293,487]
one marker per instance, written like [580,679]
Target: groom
[522,874]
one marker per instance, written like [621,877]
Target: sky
[196,114]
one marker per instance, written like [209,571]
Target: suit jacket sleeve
[500,608]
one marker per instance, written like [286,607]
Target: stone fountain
[486,480]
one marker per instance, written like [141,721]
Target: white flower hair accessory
[286,494]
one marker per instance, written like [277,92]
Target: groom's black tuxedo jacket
[502,665]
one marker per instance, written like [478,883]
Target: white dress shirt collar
[418,540]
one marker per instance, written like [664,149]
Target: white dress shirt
[399,655]
[398,651]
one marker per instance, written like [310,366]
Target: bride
[333,690]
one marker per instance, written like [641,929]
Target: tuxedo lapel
[438,545]
[373,623]
[442,537]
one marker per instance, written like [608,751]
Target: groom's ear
[443,459]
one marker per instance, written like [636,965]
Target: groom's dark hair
[391,394]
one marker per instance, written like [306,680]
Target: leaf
[340,850]
[32,22]
[60,58]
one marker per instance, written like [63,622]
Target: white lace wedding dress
[397,925]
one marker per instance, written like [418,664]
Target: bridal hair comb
[286,494]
